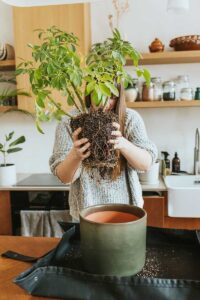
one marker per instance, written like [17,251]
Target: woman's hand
[119,141]
[80,147]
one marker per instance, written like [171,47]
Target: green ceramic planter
[113,248]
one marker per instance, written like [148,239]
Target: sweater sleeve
[62,144]
[135,132]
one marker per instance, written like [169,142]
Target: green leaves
[56,65]
[6,148]
[18,141]
[9,136]
[104,89]
[112,88]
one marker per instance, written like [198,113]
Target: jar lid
[169,83]
[188,90]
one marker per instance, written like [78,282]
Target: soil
[97,127]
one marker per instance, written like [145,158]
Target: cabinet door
[155,207]
[72,18]
[5,213]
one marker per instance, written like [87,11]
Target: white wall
[171,129]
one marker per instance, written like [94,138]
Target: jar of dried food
[147,92]
[186,94]
[157,88]
[169,89]
[182,81]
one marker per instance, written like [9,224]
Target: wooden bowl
[186,43]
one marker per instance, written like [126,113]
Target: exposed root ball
[97,127]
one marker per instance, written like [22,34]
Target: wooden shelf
[163,104]
[5,108]
[7,64]
[168,57]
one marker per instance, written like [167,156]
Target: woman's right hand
[80,146]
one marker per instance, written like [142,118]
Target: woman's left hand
[119,141]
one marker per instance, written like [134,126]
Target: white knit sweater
[89,190]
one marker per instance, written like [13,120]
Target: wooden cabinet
[72,18]
[5,213]
[157,216]
[154,206]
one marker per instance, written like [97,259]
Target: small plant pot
[97,127]
[8,174]
[113,239]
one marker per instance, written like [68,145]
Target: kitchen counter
[59,186]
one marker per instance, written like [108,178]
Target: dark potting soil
[97,127]
[172,260]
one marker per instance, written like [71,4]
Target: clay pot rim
[112,206]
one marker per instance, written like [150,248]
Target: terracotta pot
[113,239]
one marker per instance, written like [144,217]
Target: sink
[183,196]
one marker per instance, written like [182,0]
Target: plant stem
[70,94]
[79,97]
[58,107]
[104,106]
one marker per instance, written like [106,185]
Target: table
[9,268]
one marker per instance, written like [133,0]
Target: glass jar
[157,85]
[186,94]
[147,92]
[197,93]
[182,81]
[169,91]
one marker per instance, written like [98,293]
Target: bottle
[176,164]
[165,164]
[197,93]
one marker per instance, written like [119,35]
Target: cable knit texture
[89,188]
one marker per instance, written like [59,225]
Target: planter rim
[113,205]
[6,165]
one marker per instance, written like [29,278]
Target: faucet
[196,152]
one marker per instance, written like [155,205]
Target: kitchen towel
[43,222]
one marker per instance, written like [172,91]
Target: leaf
[9,137]
[147,76]
[94,97]
[104,89]
[40,100]
[18,141]
[12,150]
[38,127]
[1,146]
[90,87]
[112,88]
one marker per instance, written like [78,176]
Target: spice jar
[186,94]
[157,88]
[169,93]
[147,92]
[197,93]
[182,81]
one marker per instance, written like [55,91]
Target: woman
[137,154]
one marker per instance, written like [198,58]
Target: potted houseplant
[8,170]
[57,65]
